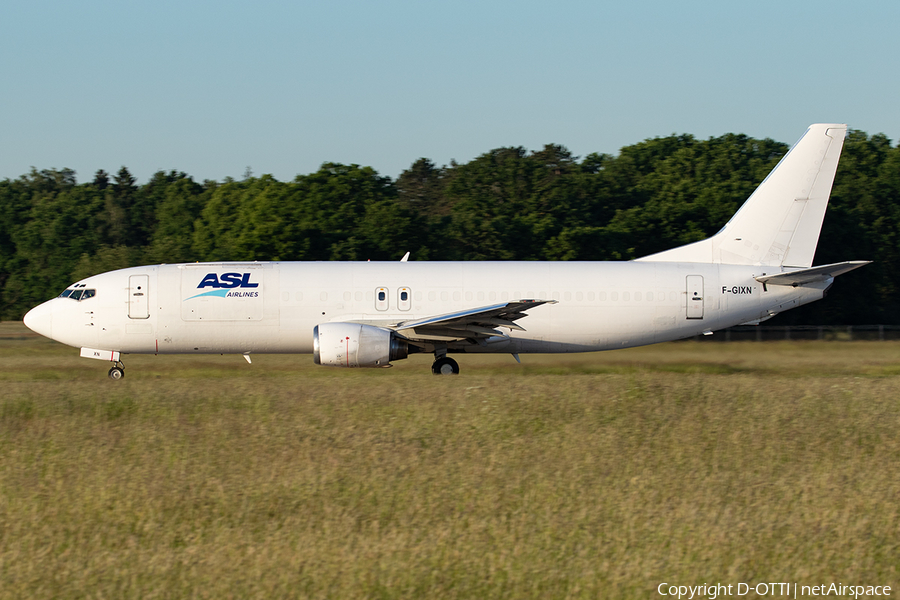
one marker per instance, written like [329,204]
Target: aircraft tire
[445,366]
[116,373]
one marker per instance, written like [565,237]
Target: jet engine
[355,345]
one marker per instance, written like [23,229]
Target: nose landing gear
[117,372]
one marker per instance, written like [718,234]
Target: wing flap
[475,323]
[812,274]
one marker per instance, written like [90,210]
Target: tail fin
[780,222]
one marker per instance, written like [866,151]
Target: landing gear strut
[445,366]
[117,372]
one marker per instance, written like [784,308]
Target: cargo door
[139,297]
[694,297]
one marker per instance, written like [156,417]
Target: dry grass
[567,477]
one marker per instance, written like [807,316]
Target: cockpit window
[77,294]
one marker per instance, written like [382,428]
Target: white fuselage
[601,305]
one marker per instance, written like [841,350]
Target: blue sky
[211,88]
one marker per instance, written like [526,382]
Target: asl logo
[224,286]
[227,280]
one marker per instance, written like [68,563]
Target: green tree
[174,202]
[505,204]
[861,223]
[61,227]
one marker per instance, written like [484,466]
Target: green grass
[585,476]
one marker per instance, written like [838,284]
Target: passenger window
[88,294]
[76,294]
[381,296]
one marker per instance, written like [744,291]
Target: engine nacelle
[355,345]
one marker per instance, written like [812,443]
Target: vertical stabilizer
[779,224]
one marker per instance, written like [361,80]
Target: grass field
[585,476]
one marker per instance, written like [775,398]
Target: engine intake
[355,345]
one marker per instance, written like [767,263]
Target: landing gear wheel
[445,366]
[116,373]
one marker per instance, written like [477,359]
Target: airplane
[369,314]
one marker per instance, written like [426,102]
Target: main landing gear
[117,372]
[445,366]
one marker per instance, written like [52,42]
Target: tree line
[507,204]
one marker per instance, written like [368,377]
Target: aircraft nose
[40,319]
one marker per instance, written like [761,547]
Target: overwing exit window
[404,298]
[381,298]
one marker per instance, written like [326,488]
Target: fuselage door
[139,297]
[694,297]
[404,298]
[381,298]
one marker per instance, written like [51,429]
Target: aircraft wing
[812,274]
[476,324]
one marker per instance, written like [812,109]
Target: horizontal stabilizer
[811,275]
